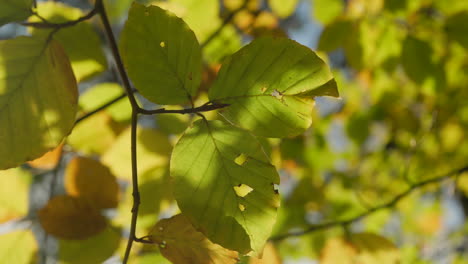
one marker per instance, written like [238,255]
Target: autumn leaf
[181,243]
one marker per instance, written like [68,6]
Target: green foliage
[161,43]
[230,101]
[38,98]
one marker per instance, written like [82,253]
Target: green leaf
[334,35]
[87,57]
[14,10]
[18,247]
[38,98]
[283,8]
[270,85]
[325,11]
[456,27]
[102,93]
[95,249]
[416,59]
[161,54]
[224,184]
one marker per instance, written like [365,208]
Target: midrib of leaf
[229,179]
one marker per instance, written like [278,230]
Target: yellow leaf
[363,248]
[49,160]
[14,188]
[89,179]
[181,244]
[18,247]
[68,217]
[270,256]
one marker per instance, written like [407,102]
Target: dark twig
[100,108]
[387,205]
[204,108]
[46,24]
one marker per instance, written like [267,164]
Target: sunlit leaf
[87,58]
[88,179]
[180,243]
[49,160]
[14,10]
[14,183]
[95,249]
[161,54]
[38,97]
[172,123]
[334,35]
[365,248]
[270,85]
[325,11]
[101,94]
[68,217]
[270,256]
[153,149]
[283,8]
[18,247]
[207,166]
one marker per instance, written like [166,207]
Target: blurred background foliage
[402,73]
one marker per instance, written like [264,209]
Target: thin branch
[387,205]
[204,108]
[135,192]
[99,6]
[46,24]
[100,108]
[226,21]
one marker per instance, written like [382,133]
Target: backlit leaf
[325,11]
[270,256]
[14,183]
[270,85]
[283,8]
[95,249]
[87,58]
[14,10]
[18,247]
[89,179]
[161,54]
[180,243]
[49,160]
[153,149]
[206,168]
[38,97]
[363,248]
[102,93]
[68,217]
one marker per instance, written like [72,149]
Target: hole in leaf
[162,44]
[276,188]
[277,94]
[242,207]
[241,159]
[242,190]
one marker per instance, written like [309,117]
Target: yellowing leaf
[230,199]
[49,160]
[89,179]
[14,10]
[270,85]
[95,135]
[87,58]
[95,249]
[38,97]
[362,248]
[102,93]
[153,150]
[270,256]
[14,189]
[283,8]
[68,217]
[180,243]
[18,247]
[158,47]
